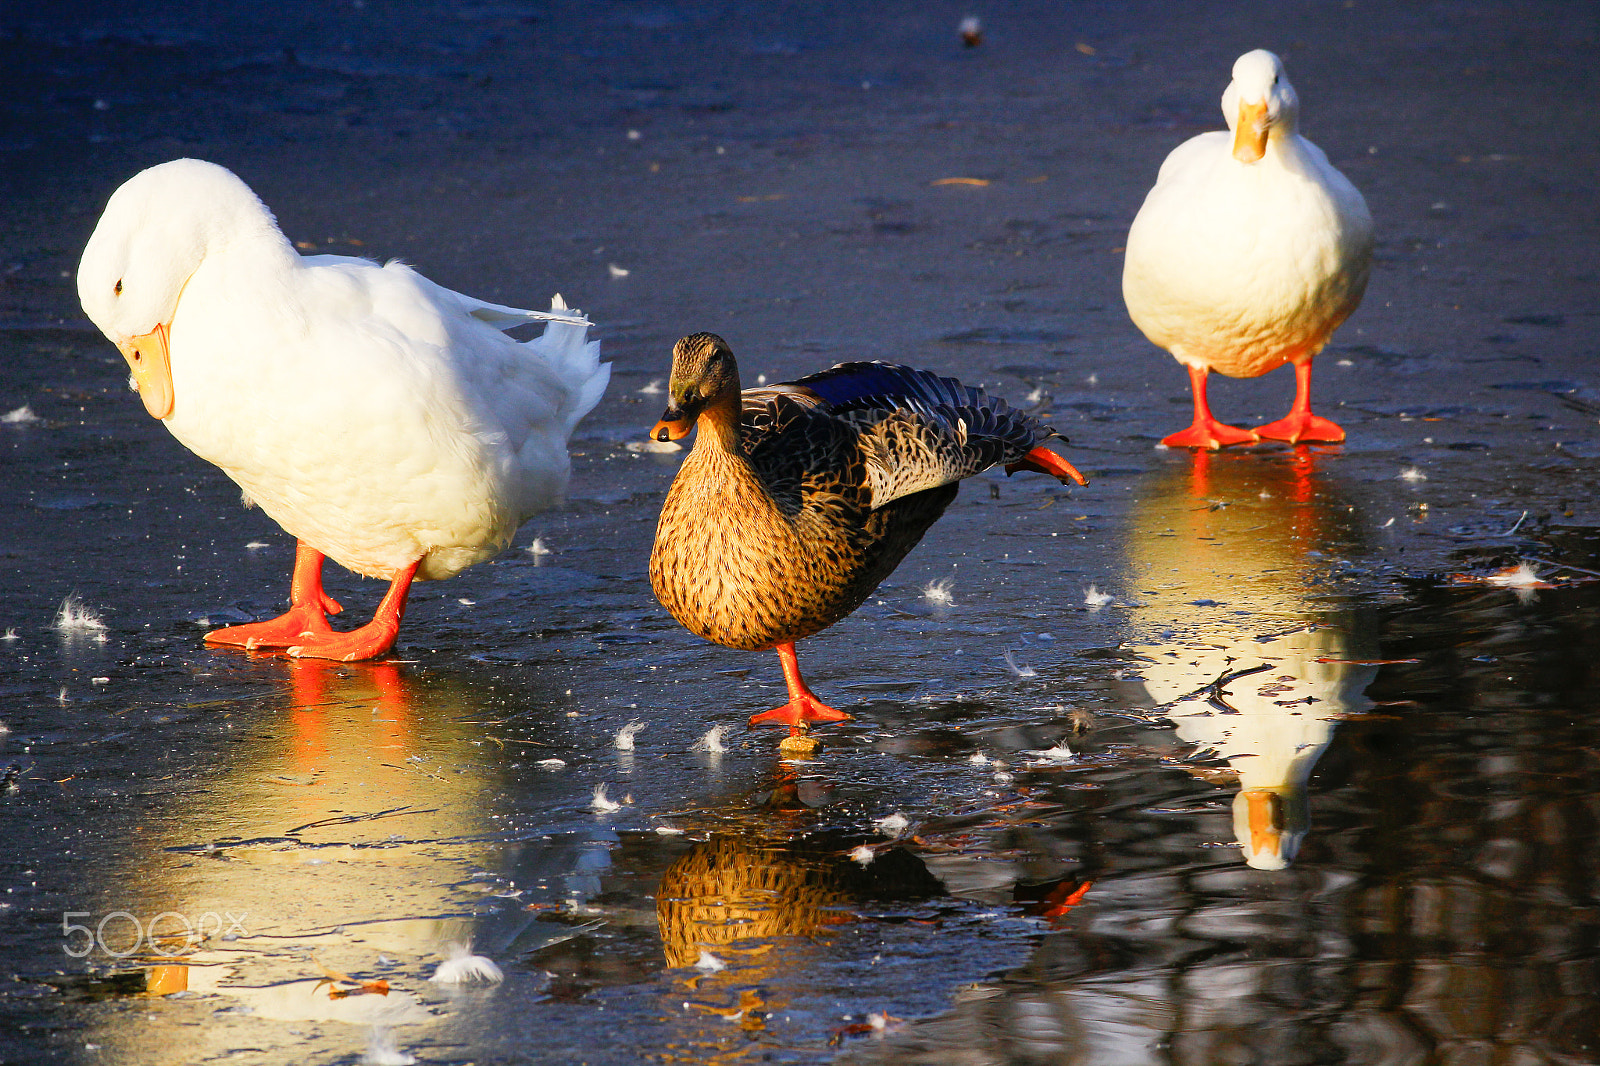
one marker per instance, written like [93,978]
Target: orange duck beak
[151,365]
[675,424]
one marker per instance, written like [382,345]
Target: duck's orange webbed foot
[1205,431]
[798,713]
[368,642]
[372,639]
[1302,426]
[803,707]
[1042,460]
[306,617]
[303,621]
[1211,435]
[303,629]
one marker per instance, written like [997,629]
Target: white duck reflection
[349,835]
[1250,663]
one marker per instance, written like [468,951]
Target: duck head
[1270,823]
[705,381]
[156,230]
[1259,104]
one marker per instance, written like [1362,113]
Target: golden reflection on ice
[338,838]
[743,914]
[1240,648]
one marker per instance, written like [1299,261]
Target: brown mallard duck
[799,498]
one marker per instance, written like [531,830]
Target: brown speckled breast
[735,567]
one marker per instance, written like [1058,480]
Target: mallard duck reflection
[1250,660]
[733,888]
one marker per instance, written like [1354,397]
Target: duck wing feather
[878,430]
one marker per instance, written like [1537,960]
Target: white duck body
[377,417]
[1240,267]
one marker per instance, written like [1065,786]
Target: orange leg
[1300,424]
[1044,461]
[304,630]
[307,615]
[803,705]
[1206,432]
[372,639]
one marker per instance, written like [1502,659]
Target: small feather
[892,825]
[462,967]
[74,617]
[625,735]
[1022,670]
[601,803]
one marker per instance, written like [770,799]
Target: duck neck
[718,424]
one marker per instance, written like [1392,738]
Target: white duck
[1248,253]
[381,419]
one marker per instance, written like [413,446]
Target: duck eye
[116,290]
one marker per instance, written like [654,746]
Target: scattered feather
[978,758]
[383,1049]
[712,740]
[538,547]
[1020,670]
[1093,597]
[552,764]
[670,831]
[709,963]
[462,967]
[892,825]
[864,855]
[74,618]
[256,545]
[1522,579]
[18,416]
[971,30]
[1411,473]
[616,271]
[1057,754]
[937,592]
[625,735]
[652,389]
[601,803]
[11,633]
[1521,576]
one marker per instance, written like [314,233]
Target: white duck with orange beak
[1248,253]
[381,419]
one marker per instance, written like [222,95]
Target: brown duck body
[748,564]
[798,499]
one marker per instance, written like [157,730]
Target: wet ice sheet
[1070,880]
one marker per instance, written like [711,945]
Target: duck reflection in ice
[743,887]
[1242,650]
[353,839]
